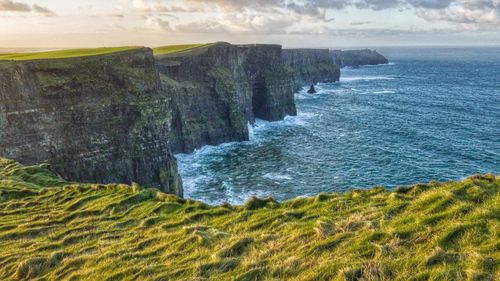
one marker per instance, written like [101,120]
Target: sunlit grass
[53,230]
[60,54]
[176,48]
[73,53]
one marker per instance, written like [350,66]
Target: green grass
[53,230]
[72,53]
[165,50]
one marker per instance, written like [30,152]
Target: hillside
[63,54]
[54,230]
[75,53]
[165,50]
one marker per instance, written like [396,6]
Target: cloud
[158,23]
[372,32]
[430,4]
[311,8]
[468,14]
[11,6]
[238,5]
[241,23]
[378,4]
[42,10]
[281,16]
[355,23]
[19,7]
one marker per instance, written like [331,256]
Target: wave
[370,65]
[384,92]
[191,184]
[191,164]
[365,78]
[277,177]
[301,119]
[255,134]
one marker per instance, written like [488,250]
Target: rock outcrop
[357,57]
[310,66]
[93,119]
[118,118]
[312,90]
[221,88]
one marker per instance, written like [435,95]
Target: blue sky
[293,23]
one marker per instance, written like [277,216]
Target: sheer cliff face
[357,57]
[117,118]
[219,89]
[310,66]
[94,119]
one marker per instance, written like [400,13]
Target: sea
[430,114]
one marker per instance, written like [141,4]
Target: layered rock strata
[310,66]
[93,119]
[356,58]
[119,118]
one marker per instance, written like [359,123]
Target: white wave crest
[277,177]
[364,78]
[384,92]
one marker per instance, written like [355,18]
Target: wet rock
[312,90]
[120,117]
[94,119]
[310,66]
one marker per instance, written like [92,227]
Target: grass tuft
[55,230]
[236,249]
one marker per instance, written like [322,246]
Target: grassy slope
[64,53]
[68,231]
[72,53]
[165,50]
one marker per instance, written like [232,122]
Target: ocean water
[431,114]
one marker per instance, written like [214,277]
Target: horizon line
[52,48]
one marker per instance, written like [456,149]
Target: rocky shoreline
[119,118]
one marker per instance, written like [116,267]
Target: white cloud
[20,7]
[468,15]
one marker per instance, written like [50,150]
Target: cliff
[53,230]
[117,117]
[219,89]
[357,57]
[310,66]
[93,119]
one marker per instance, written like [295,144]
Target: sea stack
[312,90]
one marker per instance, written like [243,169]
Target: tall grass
[53,230]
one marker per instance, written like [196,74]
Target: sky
[292,23]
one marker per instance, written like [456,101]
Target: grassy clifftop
[165,50]
[54,230]
[73,53]
[62,54]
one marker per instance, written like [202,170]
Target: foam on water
[277,177]
[364,78]
[411,121]
[384,92]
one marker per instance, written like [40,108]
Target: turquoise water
[432,114]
